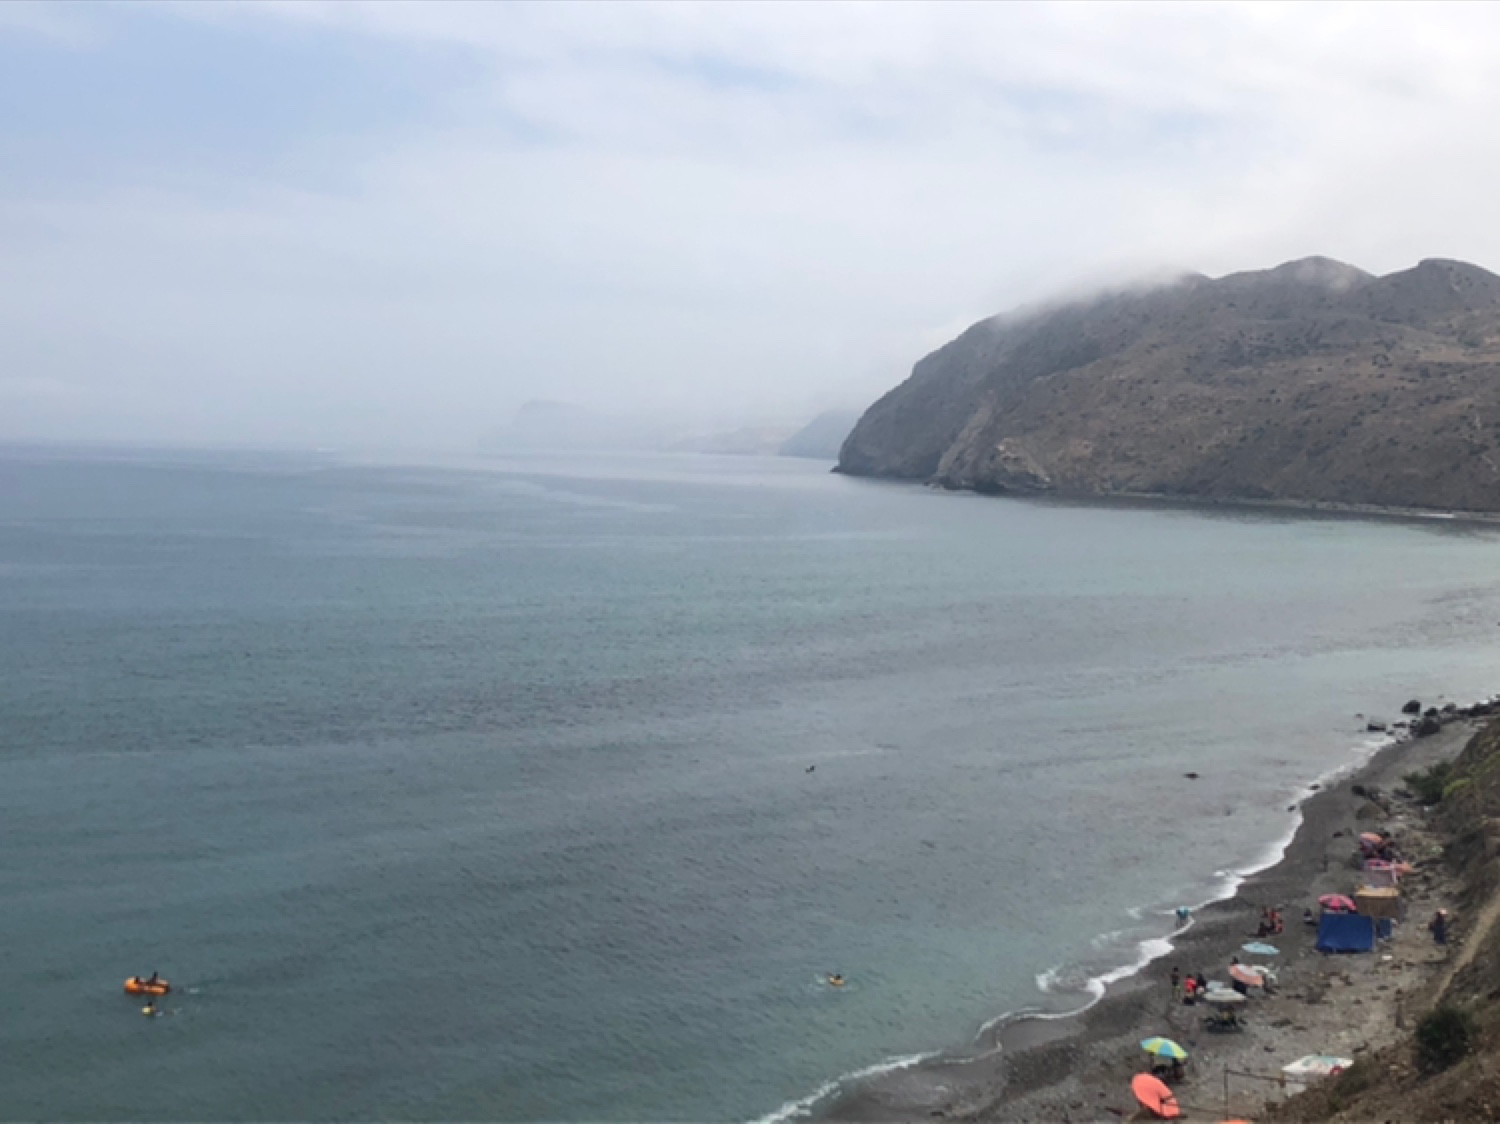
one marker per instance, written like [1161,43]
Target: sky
[370,225]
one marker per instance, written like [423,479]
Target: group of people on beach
[1188,988]
[1271,924]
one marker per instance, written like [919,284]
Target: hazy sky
[343,223]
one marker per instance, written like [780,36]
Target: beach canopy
[1375,902]
[1164,1048]
[1259,949]
[1346,932]
[1338,903]
[1155,1096]
[1246,976]
[1316,1065]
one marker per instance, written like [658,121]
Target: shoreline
[1192,503]
[1076,1064]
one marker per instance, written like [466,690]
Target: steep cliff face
[1312,381]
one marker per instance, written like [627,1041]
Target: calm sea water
[548,789]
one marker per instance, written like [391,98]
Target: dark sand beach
[1078,1068]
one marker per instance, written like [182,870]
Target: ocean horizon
[555,787]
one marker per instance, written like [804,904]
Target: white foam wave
[1056,979]
[798,1109]
[1231,880]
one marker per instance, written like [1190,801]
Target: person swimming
[835,980]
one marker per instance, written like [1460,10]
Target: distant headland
[1312,383]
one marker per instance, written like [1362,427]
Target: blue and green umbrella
[1164,1048]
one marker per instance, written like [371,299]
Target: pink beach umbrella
[1337,903]
[1245,976]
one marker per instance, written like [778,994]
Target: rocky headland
[1311,383]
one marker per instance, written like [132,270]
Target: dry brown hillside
[1311,382]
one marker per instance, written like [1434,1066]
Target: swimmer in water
[835,980]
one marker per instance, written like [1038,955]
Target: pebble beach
[1079,1068]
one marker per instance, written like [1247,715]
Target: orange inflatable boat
[137,986]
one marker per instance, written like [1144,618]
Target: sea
[555,787]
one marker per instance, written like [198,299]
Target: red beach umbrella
[1155,1096]
[1338,903]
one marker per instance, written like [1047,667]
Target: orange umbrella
[1155,1096]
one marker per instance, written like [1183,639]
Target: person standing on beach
[1439,927]
[1176,982]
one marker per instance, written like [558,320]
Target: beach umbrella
[1164,1048]
[1317,1065]
[1260,949]
[1246,976]
[1371,837]
[1155,1096]
[1337,902]
[1223,997]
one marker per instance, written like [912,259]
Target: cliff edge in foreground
[1310,382]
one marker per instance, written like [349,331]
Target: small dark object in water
[1413,707]
[810,768]
[1191,776]
[1313,787]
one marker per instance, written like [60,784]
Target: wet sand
[1078,1068]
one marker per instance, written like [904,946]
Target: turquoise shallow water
[482,790]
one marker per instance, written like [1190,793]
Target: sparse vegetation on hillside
[1427,785]
[1444,1036]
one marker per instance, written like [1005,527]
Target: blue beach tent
[1346,932]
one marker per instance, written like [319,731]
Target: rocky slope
[1312,382]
